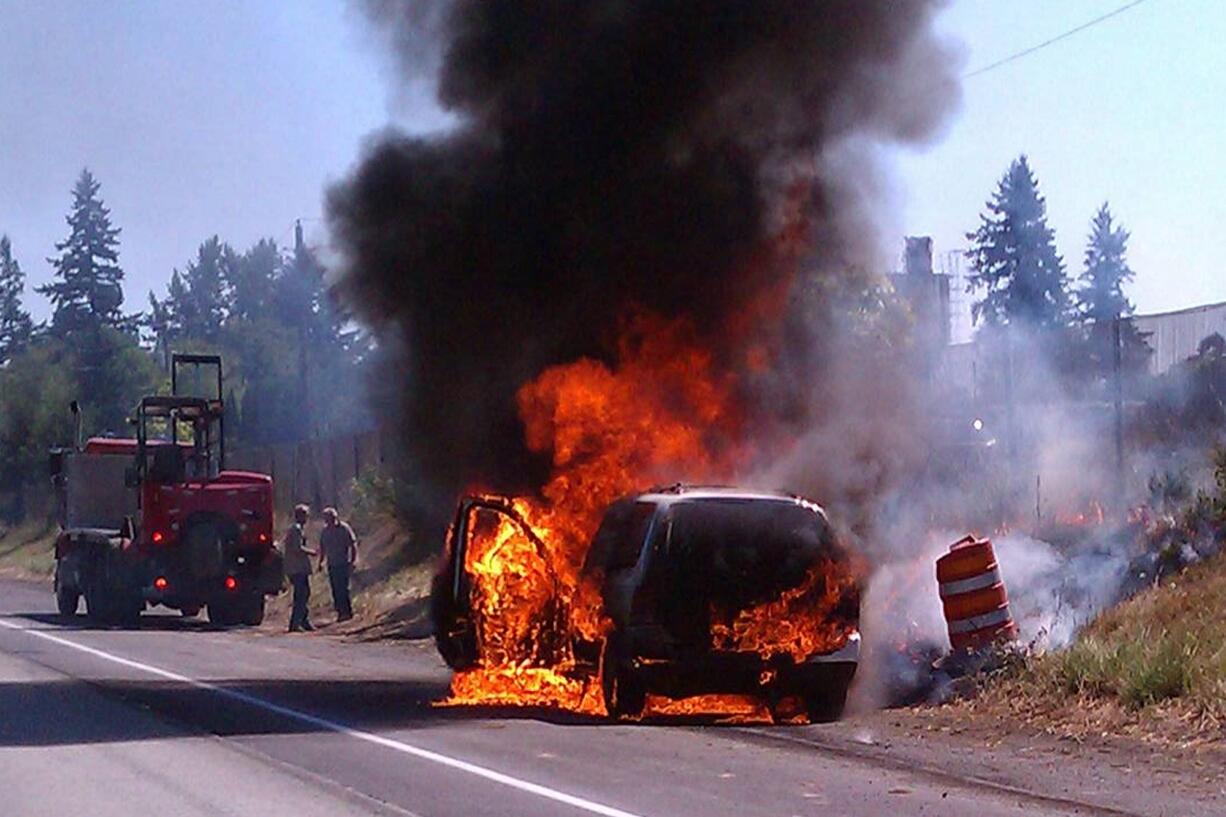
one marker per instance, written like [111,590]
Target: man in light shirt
[297,557]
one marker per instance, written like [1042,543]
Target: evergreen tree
[253,280]
[16,327]
[1101,295]
[200,296]
[88,290]
[1013,257]
[1101,299]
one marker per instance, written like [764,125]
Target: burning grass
[1154,666]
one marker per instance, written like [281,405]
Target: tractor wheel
[223,612]
[251,609]
[67,599]
[111,607]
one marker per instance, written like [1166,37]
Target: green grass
[26,550]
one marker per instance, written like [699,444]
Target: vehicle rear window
[737,550]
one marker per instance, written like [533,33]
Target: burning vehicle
[683,593]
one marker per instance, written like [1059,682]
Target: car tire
[828,705]
[625,696]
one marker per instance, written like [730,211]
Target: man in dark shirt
[339,550]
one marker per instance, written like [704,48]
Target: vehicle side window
[626,549]
[619,540]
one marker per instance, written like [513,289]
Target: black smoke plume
[608,154]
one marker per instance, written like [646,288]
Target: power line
[1054,40]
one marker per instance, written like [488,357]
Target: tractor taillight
[161,583]
[157,537]
[263,538]
[231,583]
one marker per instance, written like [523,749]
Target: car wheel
[827,705]
[624,693]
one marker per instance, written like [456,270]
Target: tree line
[1041,331]
[294,361]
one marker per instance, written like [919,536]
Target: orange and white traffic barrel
[973,595]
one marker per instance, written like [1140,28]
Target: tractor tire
[223,613]
[110,608]
[251,610]
[67,600]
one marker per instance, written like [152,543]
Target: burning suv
[703,591]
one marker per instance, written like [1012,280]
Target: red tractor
[159,520]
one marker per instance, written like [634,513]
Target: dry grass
[1153,667]
[27,550]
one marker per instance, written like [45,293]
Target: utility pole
[1117,358]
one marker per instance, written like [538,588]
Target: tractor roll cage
[202,413]
[204,416]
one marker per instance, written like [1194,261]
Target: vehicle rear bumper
[747,673]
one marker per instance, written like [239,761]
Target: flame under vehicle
[704,592]
[159,520]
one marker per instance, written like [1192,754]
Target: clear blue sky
[1132,111]
[231,117]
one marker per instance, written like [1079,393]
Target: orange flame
[665,411]
[804,621]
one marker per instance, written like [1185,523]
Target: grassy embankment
[391,583]
[1153,667]
[390,592]
[26,550]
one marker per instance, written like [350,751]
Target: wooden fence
[318,472]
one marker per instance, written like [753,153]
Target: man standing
[339,549]
[298,568]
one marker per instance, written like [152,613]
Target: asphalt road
[178,718]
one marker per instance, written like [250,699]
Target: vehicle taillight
[231,583]
[263,538]
[160,583]
[157,537]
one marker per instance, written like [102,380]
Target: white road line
[331,726]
